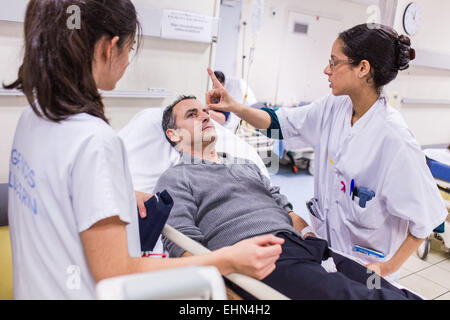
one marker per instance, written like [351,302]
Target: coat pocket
[317,219]
[370,217]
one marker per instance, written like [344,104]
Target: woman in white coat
[375,198]
[72,209]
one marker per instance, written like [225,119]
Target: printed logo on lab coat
[22,181]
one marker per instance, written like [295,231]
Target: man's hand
[254,257]
[141,198]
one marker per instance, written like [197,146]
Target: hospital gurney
[240,91]
[441,173]
[261,143]
[300,159]
[296,153]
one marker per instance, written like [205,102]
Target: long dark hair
[386,51]
[56,73]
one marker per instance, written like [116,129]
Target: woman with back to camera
[375,198]
[72,209]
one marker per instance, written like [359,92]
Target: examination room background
[287,68]
[179,66]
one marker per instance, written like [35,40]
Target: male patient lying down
[220,200]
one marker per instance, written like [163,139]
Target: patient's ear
[173,135]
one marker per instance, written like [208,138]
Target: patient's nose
[205,116]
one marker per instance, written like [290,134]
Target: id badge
[369,252]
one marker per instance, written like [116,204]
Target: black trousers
[299,275]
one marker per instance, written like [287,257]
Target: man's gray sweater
[219,204]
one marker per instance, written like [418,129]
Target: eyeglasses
[334,63]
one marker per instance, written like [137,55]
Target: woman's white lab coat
[378,153]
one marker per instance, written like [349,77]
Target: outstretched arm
[106,250]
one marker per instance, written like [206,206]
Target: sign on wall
[188,26]
[168,24]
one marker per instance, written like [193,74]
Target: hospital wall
[271,40]
[176,65]
[179,65]
[429,122]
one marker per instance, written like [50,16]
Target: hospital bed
[263,145]
[290,151]
[438,160]
[299,159]
[298,154]
[142,136]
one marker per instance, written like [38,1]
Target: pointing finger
[216,83]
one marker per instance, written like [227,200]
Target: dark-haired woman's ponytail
[405,52]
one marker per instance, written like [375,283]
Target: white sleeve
[306,122]
[101,187]
[411,193]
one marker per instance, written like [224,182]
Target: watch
[306,230]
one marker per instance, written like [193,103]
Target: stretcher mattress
[439,170]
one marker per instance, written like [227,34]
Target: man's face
[193,123]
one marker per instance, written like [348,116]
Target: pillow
[150,154]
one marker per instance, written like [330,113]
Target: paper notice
[187,26]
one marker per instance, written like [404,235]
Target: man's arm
[279,198]
[297,222]
[106,250]
[183,213]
